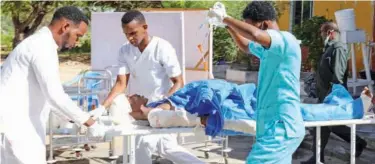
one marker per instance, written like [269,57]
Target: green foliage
[224,46]
[309,33]
[7,32]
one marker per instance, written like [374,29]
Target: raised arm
[246,30]
[249,31]
[240,41]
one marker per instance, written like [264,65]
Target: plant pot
[306,66]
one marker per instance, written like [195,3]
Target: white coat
[150,73]
[29,81]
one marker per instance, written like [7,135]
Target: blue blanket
[221,100]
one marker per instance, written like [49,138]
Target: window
[300,9]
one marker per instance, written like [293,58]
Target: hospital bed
[128,134]
[246,126]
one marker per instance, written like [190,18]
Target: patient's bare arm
[165,106]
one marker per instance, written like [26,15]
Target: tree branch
[38,20]
[36,9]
[15,15]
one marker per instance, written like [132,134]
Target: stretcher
[129,133]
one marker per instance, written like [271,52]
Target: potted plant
[312,43]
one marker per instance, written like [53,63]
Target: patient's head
[134,27]
[136,101]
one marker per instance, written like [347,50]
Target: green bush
[309,33]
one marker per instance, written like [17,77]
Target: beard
[64,47]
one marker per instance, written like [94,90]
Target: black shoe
[359,148]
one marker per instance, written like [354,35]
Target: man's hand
[96,130]
[217,14]
[97,112]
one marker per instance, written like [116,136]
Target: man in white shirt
[30,81]
[151,67]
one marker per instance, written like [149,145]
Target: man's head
[68,25]
[134,27]
[329,31]
[260,14]
[136,101]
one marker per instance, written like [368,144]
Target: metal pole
[50,136]
[352,143]
[317,148]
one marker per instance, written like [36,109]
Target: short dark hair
[71,13]
[327,26]
[133,15]
[259,11]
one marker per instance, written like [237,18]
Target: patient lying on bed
[217,103]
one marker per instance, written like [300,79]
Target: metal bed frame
[107,81]
[79,90]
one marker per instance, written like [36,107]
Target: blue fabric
[338,105]
[240,103]
[216,98]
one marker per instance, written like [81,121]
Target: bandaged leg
[160,118]
[338,105]
[366,98]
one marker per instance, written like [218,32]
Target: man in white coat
[151,67]
[30,81]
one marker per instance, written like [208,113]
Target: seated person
[215,101]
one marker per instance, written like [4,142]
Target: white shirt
[151,70]
[30,82]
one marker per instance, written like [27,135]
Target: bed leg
[352,143]
[132,149]
[317,148]
[50,122]
[125,154]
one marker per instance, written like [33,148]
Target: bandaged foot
[367,99]
[160,118]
